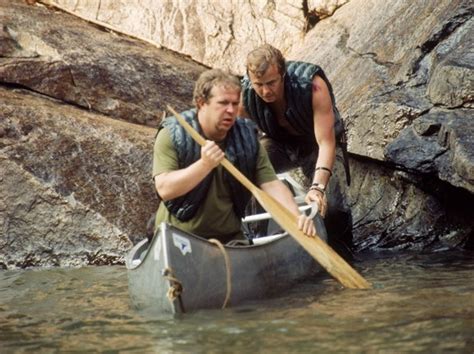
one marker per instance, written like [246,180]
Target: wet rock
[394,210]
[440,144]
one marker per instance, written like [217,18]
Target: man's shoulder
[163,137]
[301,70]
[189,114]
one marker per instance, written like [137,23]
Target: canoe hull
[256,272]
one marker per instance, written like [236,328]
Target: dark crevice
[373,57]
[12,86]
[232,36]
[98,10]
[311,17]
[446,30]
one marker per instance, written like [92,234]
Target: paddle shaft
[320,250]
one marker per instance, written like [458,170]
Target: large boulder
[440,143]
[80,102]
[397,210]
[66,58]
[75,186]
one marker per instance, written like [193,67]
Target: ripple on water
[418,303]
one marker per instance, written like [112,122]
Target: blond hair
[209,79]
[260,59]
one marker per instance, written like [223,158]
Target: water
[420,303]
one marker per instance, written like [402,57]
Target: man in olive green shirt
[197,193]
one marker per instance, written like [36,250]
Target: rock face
[80,103]
[403,77]
[65,58]
[216,33]
[444,145]
[392,64]
[74,187]
[76,184]
[395,210]
[397,64]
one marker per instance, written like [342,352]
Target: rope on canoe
[176,288]
[227,269]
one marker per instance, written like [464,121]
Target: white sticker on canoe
[157,250]
[182,243]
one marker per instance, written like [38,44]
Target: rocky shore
[80,103]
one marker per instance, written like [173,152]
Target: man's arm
[323,118]
[279,191]
[173,184]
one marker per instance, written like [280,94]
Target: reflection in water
[419,303]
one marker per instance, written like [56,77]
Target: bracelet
[319,185]
[316,188]
[325,169]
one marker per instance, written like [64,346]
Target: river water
[419,303]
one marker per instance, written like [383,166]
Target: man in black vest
[198,195]
[294,106]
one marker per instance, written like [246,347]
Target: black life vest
[241,150]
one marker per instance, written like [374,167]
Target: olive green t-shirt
[216,217]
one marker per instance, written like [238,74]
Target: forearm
[282,194]
[323,131]
[326,158]
[173,184]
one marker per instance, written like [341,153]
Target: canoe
[179,272]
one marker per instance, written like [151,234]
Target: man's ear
[199,102]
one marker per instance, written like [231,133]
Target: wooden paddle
[320,250]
